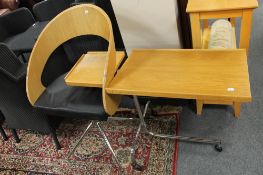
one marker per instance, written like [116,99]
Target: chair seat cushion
[67,101]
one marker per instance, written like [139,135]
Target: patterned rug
[36,154]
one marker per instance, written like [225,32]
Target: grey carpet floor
[242,138]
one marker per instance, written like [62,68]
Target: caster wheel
[137,167]
[18,140]
[5,139]
[218,148]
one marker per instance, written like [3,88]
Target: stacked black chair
[13,24]
[47,10]
[19,31]
[15,107]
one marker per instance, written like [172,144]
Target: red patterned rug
[35,154]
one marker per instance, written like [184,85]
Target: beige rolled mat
[221,35]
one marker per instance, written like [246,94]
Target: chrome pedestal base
[143,126]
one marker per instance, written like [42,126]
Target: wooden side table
[201,11]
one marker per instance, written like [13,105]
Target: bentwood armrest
[89,69]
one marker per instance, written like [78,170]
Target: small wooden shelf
[89,69]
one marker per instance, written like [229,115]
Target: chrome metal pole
[142,125]
[134,163]
[80,140]
[108,144]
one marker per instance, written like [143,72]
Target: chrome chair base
[105,140]
[80,140]
[143,126]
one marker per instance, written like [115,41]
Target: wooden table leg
[237,109]
[245,29]
[196,30]
[199,107]
[206,23]
[233,22]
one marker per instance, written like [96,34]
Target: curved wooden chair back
[76,21]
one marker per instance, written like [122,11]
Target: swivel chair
[56,97]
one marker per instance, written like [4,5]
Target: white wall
[147,23]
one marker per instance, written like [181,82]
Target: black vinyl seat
[68,101]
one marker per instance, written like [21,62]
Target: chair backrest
[48,9]
[15,22]
[76,21]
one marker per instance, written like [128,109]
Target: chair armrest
[17,77]
[10,65]
[16,22]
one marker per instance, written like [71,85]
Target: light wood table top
[214,5]
[190,74]
[89,69]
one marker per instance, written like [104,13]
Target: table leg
[199,107]
[245,29]
[142,125]
[237,109]
[233,22]
[206,23]
[196,31]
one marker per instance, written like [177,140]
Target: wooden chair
[58,98]
[202,11]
